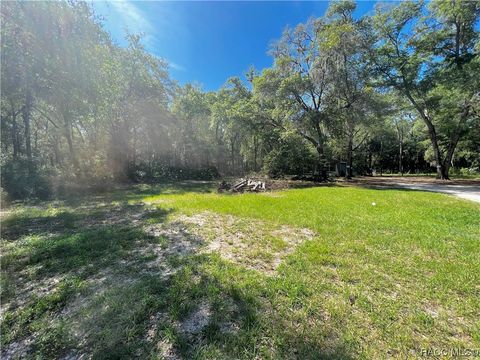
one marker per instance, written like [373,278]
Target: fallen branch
[243,185]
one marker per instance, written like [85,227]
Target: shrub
[293,157]
[21,182]
[466,172]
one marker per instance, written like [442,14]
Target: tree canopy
[397,90]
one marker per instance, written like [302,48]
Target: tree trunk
[447,162]
[3,127]
[232,150]
[134,147]
[437,153]
[255,151]
[436,148]
[381,157]
[322,172]
[433,136]
[15,141]
[26,121]
[68,136]
[400,155]
[56,151]
[370,162]
[349,172]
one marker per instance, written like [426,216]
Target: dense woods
[395,91]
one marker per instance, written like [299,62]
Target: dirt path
[465,189]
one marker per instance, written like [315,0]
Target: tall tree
[432,61]
[297,88]
[352,97]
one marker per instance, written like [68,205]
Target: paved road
[469,192]
[468,189]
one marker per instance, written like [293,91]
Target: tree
[352,97]
[296,91]
[232,119]
[432,61]
[88,107]
[191,108]
[75,106]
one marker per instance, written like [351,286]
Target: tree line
[396,91]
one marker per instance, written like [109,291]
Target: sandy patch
[17,349]
[198,320]
[250,243]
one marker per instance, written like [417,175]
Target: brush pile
[243,185]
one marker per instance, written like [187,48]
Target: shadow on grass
[39,221]
[91,281]
[42,273]
[30,223]
[176,188]
[139,191]
[199,313]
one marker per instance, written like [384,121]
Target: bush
[466,172]
[293,157]
[19,182]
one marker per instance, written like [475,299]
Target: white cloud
[171,64]
[176,66]
[135,20]
[128,16]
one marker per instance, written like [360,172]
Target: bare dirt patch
[198,320]
[178,240]
[164,346]
[250,243]
[17,349]
[25,290]
[167,350]
[191,327]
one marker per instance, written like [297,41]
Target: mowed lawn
[179,271]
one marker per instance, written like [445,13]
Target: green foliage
[22,179]
[292,156]
[90,112]
[428,55]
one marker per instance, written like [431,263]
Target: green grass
[374,282]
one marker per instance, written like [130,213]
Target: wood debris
[243,185]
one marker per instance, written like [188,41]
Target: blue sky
[208,42]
